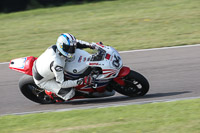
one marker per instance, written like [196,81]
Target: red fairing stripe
[109,71]
[109,75]
[93,64]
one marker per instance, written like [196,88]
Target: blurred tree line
[21,5]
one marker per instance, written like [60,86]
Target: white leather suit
[48,71]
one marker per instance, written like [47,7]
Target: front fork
[123,72]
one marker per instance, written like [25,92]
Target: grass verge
[180,116]
[124,24]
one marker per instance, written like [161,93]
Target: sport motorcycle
[105,67]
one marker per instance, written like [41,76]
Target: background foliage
[20,5]
[123,24]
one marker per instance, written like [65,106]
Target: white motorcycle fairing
[109,62]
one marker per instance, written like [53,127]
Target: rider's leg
[52,85]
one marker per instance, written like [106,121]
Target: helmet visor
[69,49]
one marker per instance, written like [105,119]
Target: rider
[48,69]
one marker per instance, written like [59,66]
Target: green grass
[124,24]
[169,117]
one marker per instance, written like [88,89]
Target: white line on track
[143,50]
[163,48]
[104,106]
[2,63]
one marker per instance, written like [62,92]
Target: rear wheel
[135,85]
[30,90]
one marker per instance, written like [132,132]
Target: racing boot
[66,93]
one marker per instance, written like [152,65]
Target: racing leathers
[48,72]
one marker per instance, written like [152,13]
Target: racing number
[116,61]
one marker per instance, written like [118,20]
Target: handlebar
[100,52]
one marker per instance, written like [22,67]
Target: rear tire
[135,85]
[30,90]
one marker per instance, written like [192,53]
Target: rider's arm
[58,70]
[82,44]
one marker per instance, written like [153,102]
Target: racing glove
[87,80]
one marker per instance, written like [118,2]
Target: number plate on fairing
[116,61]
[18,63]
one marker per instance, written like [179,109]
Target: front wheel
[135,85]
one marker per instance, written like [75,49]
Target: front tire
[30,90]
[135,85]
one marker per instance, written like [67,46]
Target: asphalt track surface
[173,73]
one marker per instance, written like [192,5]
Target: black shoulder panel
[54,47]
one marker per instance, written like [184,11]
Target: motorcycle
[105,67]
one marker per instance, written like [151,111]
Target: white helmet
[66,45]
